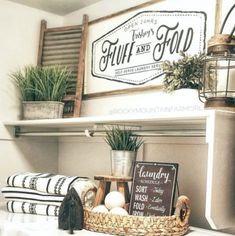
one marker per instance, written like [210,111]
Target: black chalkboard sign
[153,188]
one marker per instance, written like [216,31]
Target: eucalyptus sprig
[42,83]
[122,139]
[184,73]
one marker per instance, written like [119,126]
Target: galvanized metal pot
[42,110]
[122,163]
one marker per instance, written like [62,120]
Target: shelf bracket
[17,131]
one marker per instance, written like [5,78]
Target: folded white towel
[31,196]
[32,208]
[49,183]
[44,188]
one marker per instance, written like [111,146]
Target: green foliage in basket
[122,139]
[42,83]
[184,73]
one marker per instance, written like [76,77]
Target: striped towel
[38,193]
[32,208]
[31,196]
[49,183]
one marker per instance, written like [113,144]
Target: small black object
[71,212]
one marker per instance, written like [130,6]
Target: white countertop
[15,224]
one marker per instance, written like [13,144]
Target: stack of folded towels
[38,193]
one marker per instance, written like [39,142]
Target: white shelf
[182,124]
[161,119]
[218,127]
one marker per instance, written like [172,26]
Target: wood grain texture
[122,91]
[146,4]
[112,178]
[81,69]
[105,184]
[123,188]
[218,13]
[65,46]
[64,29]
[43,28]
[103,189]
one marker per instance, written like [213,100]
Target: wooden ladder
[66,46]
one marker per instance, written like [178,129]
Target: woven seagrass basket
[176,224]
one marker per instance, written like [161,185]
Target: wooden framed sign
[153,188]
[128,51]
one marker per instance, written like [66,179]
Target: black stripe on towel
[13,180]
[60,185]
[23,182]
[72,183]
[47,210]
[33,183]
[56,211]
[8,179]
[32,208]
[8,206]
[12,206]
[57,184]
[23,207]
[48,185]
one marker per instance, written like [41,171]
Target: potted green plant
[183,73]
[124,146]
[42,90]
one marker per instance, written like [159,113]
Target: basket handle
[87,191]
[182,210]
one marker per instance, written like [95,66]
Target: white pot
[186,99]
[42,110]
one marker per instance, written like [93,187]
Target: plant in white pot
[183,73]
[124,146]
[182,82]
[42,90]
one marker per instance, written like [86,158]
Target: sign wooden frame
[153,188]
[93,95]
[130,54]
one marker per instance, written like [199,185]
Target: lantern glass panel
[219,77]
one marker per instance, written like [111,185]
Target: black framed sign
[153,188]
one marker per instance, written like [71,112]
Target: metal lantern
[218,81]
